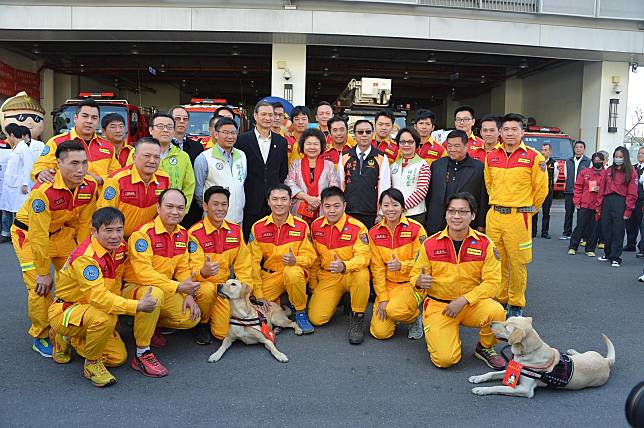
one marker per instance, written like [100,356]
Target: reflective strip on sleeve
[25,267]
[525,246]
[67,314]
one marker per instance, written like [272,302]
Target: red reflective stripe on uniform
[138,194]
[220,240]
[441,249]
[21,237]
[63,199]
[403,235]
[168,245]
[331,237]
[270,233]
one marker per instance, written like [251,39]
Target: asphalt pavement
[328,382]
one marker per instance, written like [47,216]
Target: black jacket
[261,176]
[551,164]
[193,148]
[640,188]
[470,180]
[570,172]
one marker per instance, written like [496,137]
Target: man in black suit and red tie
[267,159]
[635,224]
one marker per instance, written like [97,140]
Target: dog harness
[260,322]
[559,377]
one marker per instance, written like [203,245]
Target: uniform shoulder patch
[141,245]
[364,238]
[90,273]
[38,205]
[192,247]
[45,151]
[542,165]
[109,193]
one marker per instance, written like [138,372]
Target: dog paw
[214,358]
[281,358]
[478,391]
[298,331]
[571,352]
[475,379]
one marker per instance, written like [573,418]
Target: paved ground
[331,383]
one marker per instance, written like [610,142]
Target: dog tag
[267,332]
[512,374]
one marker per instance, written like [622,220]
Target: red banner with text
[13,81]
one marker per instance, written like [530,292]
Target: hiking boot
[43,347]
[148,365]
[61,352]
[158,339]
[416,329]
[356,328]
[514,311]
[98,374]
[302,321]
[489,357]
[202,334]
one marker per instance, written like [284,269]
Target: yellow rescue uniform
[517,186]
[224,245]
[474,273]
[124,189]
[158,258]
[394,286]
[268,243]
[45,231]
[88,302]
[100,155]
[348,239]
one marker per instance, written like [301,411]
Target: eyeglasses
[461,213]
[227,133]
[406,142]
[364,132]
[24,116]
[462,119]
[161,127]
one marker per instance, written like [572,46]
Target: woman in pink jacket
[311,174]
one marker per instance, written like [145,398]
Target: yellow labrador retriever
[251,323]
[543,365]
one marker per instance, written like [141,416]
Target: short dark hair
[336,119]
[301,110]
[424,114]
[600,156]
[214,119]
[222,108]
[546,144]
[88,102]
[13,129]
[394,194]
[157,115]
[69,146]
[172,189]
[277,104]
[106,216]
[146,140]
[324,103]
[25,131]
[225,121]
[514,117]
[491,118]
[332,191]
[465,196]
[466,108]
[409,130]
[312,132]
[358,122]
[386,113]
[262,104]
[173,108]
[458,134]
[579,142]
[111,117]
[215,190]
[278,186]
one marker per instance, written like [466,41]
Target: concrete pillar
[598,89]
[47,101]
[507,97]
[288,67]
[66,86]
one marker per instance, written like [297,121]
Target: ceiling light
[235,52]
[326,72]
[431,58]
[134,50]
[406,76]
[483,79]
[245,70]
[523,64]
[335,53]
[162,68]
[36,49]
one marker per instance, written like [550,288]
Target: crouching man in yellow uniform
[88,300]
[215,246]
[282,253]
[158,257]
[460,270]
[342,245]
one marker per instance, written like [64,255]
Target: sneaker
[148,365]
[514,311]
[158,340]
[601,245]
[416,329]
[43,347]
[572,252]
[640,255]
[582,243]
[202,334]
[489,357]
[356,328]
[615,263]
[602,259]
[564,237]
[546,236]
[61,352]
[302,321]
[98,374]
[590,253]
[641,278]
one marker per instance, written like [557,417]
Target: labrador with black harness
[251,323]
[534,363]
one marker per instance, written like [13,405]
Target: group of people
[440,233]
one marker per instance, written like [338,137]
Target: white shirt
[264,144]
[577,162]
[366,152]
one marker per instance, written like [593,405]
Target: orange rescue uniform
[388,147]
[430,151]
[474,273]
[123,154]
[394,286]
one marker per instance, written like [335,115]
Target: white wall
[294,55]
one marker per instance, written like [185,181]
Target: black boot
[202,334]
[356,328]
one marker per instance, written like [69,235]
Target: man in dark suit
[457,172]
[193,148]
[267,159]
[635,224]
[574,165]
[546,151]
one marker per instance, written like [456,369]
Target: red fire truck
[561,144]
[201,111]
[136,118]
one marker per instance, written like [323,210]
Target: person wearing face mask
[585,201]
[617,198]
